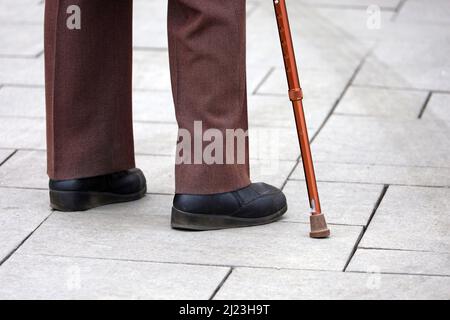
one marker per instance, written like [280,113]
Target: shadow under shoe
[87,193]
[257,204]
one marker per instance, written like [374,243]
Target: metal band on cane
[296,94]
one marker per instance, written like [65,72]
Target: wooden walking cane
[319,228]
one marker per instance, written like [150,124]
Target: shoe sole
[69,201]
[202,222]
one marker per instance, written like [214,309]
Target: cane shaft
[296,96]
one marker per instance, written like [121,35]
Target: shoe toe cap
[132,182]
[270,201]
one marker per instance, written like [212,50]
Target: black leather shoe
[257,204]
[87,193]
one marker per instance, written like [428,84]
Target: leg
[207,60]
[88,56]
[88,88]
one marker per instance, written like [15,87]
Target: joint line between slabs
[263,80]
[363,232]
[9,157]
[222,283]
[10,254]
[425,105]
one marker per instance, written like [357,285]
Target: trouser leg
[88,68]
[207,60]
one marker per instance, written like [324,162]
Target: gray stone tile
[378,174]
[405,64]
[270,111]
[159,171]
[350,23]
[23,12]
[22,133]
[403,262]
[276,111]
[21,212]
[422,12]
[26,41]
[256,73]
[22,71]
[388,4]
[43,277]
[315,30]
[22,102]
[271,171]
[438,108]
[148,237]
[150,24]
[155,138]
[317,43]
[271,143]
[151,70]
[342,203]
[409,32]
[255,284]
[316,83]
[411,218]
[378,102]
[383,141]
[26,169]
[156,106]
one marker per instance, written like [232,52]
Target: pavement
[377,99]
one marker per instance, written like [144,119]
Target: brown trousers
[89,86]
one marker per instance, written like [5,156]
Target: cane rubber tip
[319,228]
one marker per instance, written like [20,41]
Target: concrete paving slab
[159,171]
[149,24]
[342,203]
[411,218]
[270,171]
[385,4]
[383,142]
[43,277]
[316,83]
[22,102]
[26,169]
[392,65]
[23,133]
[378,174]
[378,102]
[401,262]
[276,111]
[23,12]
[22,71]
[422,12]
[255,284]
[153,106]
[21,212]
[28,41]
[146,237]
[151,70]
